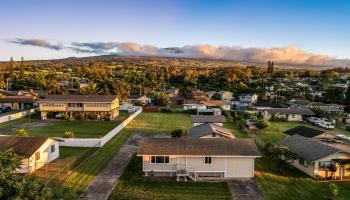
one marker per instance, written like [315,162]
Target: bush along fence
[93,142]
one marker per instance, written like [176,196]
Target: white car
[325,125]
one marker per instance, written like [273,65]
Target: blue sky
[320,27]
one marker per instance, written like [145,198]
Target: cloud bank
[37,43]
[289,54]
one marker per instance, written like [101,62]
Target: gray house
[209,130]
[202,119]
[316,157]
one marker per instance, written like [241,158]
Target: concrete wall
[16,115]
[98,142]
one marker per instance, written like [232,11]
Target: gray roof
[199,146]
[23,146]
[209,128]
[308,149]
[290,111]
[208,118]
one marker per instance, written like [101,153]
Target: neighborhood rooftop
[24,99]
[198,146]
[208,118]
[208,128]
[80,98]
[23,146]
[289,111]
[308,149]
[304,131]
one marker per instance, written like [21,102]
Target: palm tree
[91,88]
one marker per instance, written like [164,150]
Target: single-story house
[225,105]
[308,132]
[198,158]
[209,130]
[35,151]
[210,111]
[290,114]
[226,95]
[202,119]
[19,102]
[194,106]
[316,157]
[141,98]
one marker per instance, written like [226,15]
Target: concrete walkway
[245,189]
[103,184]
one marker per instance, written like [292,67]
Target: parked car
[326,125]
[5,109]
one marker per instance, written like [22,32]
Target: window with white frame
[160,159]
[207,160]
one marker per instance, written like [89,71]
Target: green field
[274,132]
[20,121]
[132,185]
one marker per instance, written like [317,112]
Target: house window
[53,148]
[207,160]
[324,164]
[303,162]
[159,159]
[37,156]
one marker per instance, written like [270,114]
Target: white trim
[150,160]
[211,162]
[205,155]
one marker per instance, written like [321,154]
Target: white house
[36,151]
[315,157]
[194,106]
[198,158]
[290,114]
[141,98]
[226,95]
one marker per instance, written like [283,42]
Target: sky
[296,31]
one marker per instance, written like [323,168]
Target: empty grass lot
[133,185]
[82,176]
[274,132]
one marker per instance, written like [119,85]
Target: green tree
[90,89]
[22,69]
[22,132]
[280,154]
[12,68]
[160,99]
[347,100]
[262,124]
[14,186]
[2,82]
[177,133]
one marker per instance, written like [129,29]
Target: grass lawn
[20,121]
[132,185]
[292,184]
[274,132]
[82,176]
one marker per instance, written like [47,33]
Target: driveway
[245,189]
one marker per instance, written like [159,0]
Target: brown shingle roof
[198,146]
[23,146]
[80,98]
[24,99]
[208,118]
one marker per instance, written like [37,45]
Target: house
[308,132]
[209,130]
[19,102]
[194,106]
[198,158]
[316,157]
[224,105]
[202,119]
[80,106]
[290,114]
[172,92]
[299,103]
[226,95]
[36,151]
[145,100]
[247,99]
[334,109]
[210,111]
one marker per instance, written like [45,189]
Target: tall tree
[21,68]
[11,67]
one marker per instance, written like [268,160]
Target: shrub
[165,110]
[68,134]
[22,132]
[177,133]
[261,124]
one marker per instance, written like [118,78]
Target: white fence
[16,115]
[98,142]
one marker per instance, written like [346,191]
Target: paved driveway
[103,184]
[245,189]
